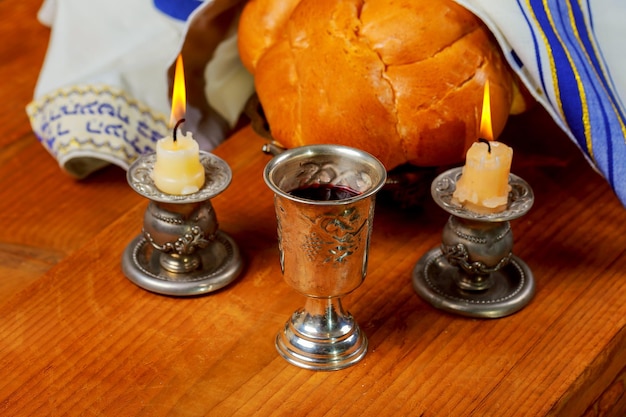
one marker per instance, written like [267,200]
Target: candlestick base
[220,264]
[474,272]
[435,280]
[181,251]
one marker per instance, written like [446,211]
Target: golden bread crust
[402,80]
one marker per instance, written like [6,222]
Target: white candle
[484,184]
[177,169]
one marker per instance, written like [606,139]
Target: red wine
[324,192]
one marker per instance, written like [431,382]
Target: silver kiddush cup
[324,199]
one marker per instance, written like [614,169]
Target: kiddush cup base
[325,342]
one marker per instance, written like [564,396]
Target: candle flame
[486,130]
[179,99]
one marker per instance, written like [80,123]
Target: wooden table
[78,338]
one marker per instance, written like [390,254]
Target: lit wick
[181,121]
[479,139]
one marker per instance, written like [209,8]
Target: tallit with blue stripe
[571,55]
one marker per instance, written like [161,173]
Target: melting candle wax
[484,185]
[177,169]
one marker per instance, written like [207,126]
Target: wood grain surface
[78,338]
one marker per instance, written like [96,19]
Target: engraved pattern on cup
[326,242]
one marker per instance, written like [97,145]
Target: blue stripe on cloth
[590,15]
[516,58]
[537,50]
[178,9]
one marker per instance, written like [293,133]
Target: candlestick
[474,272]
[484,185]
[181,250]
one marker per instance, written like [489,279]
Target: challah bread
[260,27]
[402,80]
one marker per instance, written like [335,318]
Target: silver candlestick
[181,250]
[474,272]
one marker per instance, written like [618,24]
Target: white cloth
[102,94]
[569,54]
